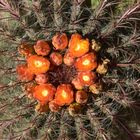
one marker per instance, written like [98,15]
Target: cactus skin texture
[110,115]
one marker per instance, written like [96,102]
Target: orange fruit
[44,93]
[78,46]
[64,94]
[87,62]
[38,64]
[86,78]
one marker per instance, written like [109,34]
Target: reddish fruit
[56,58]
[42,48]
[68,59]
[29,89]
[41,78]
[60,41]
[24,74]
[77,84]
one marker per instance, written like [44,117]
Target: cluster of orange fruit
[41,58]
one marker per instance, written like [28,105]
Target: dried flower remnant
[96,46]
[42,48]
[26,49]
[42,108]
[38,64]
[103,67]
[96,88]
[44,93]
[60,41]
[74,109]
[81,97]
[54,107]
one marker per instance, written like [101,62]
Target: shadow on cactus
[68,71]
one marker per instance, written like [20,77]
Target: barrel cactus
[69,70]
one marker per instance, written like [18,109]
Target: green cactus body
[112,30]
